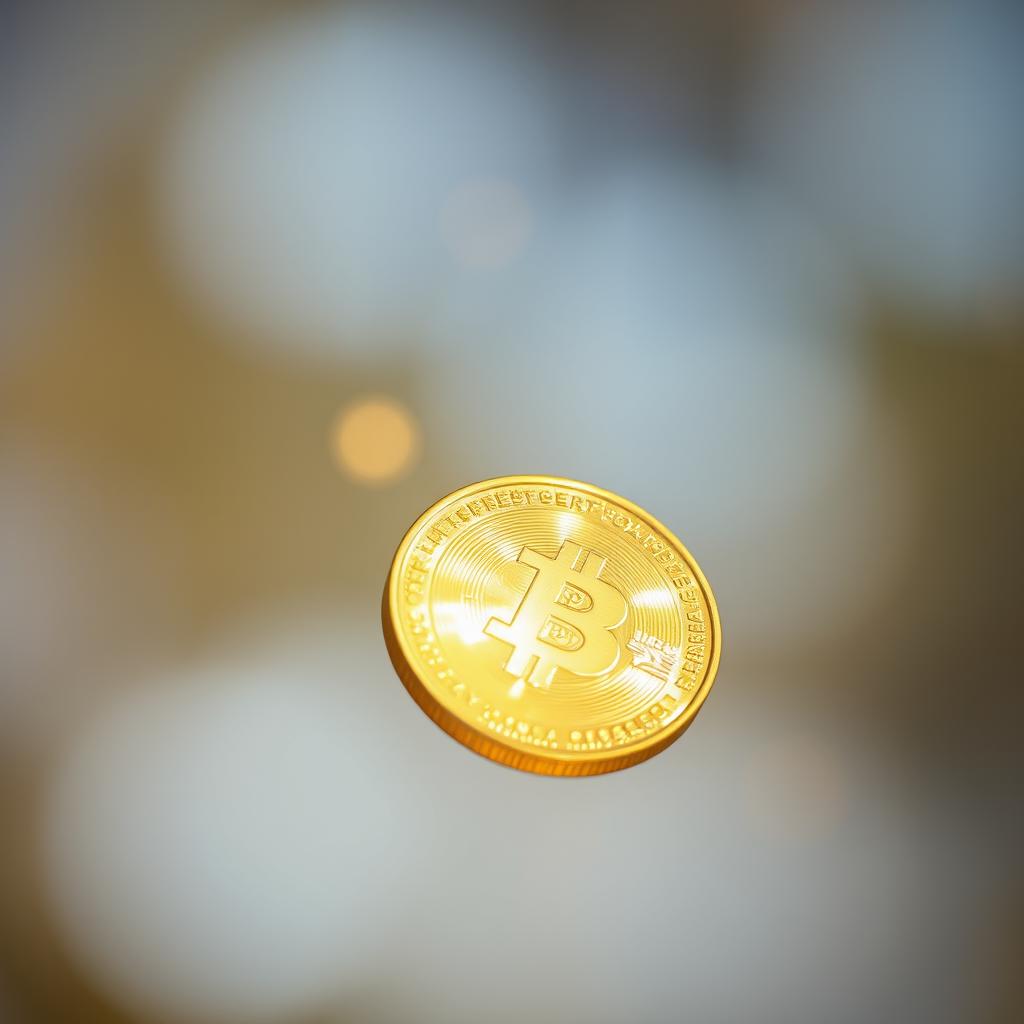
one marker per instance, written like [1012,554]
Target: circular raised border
[557,763]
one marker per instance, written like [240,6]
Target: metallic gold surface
[551,625]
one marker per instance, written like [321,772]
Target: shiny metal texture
[550,625]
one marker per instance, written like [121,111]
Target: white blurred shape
[316,175]
[691,346]
[900,123]
[674,252]
[685,337]
[486,224]
[225,842]
[627,896]
[230,844]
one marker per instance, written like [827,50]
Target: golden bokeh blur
[375,440]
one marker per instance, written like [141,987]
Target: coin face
[550,625]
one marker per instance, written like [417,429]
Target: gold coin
[550,625]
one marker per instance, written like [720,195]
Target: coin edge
[562,764]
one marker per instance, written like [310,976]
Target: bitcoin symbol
[564,619]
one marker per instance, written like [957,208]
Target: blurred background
[275,277]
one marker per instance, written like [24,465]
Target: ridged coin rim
[568,763]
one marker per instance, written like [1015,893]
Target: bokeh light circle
[221,842]
[330,178]
[375,440]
